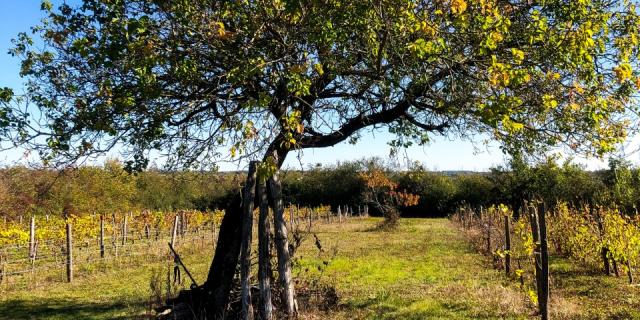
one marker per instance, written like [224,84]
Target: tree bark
[282,246]
[264,255]
[245,247]
[214,294]
[225,260]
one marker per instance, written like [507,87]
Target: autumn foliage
[383,193]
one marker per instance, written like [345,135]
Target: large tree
[204,80]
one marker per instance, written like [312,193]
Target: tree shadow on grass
[53,308]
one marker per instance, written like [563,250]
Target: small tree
[384,195]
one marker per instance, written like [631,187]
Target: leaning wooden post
[174,230]
[291,219]
[32,239]
[507,243]
[339,215]
[245,246]
[543,298]
[101,236]
[282,247]
[264,255]
[69,253]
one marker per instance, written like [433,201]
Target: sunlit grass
[422,270]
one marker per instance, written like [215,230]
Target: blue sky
[441,154]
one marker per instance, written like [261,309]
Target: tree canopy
[206,80]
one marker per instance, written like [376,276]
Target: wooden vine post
[124,230]
[488,225]
[282,247]
[507,243]
[101,236]
[264,254]
[69,253]
[174,230]
[543,298]
[291,217]
[541,257]
[604,251]
[245,246]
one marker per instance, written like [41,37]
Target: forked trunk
[212,298]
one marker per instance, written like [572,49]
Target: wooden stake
[124,230]
[174,232]
[264,254]
[507,244]
[543,298]
[245,246]
[101,236]
[282,247]
[69,253]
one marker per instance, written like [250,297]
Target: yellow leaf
[220,29]
[623,72]
[318,68]
[458,6]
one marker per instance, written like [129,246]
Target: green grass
[423,270]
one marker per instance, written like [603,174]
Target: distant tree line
[110,188]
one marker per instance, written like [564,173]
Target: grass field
[423,270]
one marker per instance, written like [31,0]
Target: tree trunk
[211,299]
[245,247]
[225,260]
[264,255]
[282,246]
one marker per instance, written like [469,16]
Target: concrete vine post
[32,239]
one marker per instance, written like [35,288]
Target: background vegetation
[110,188]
